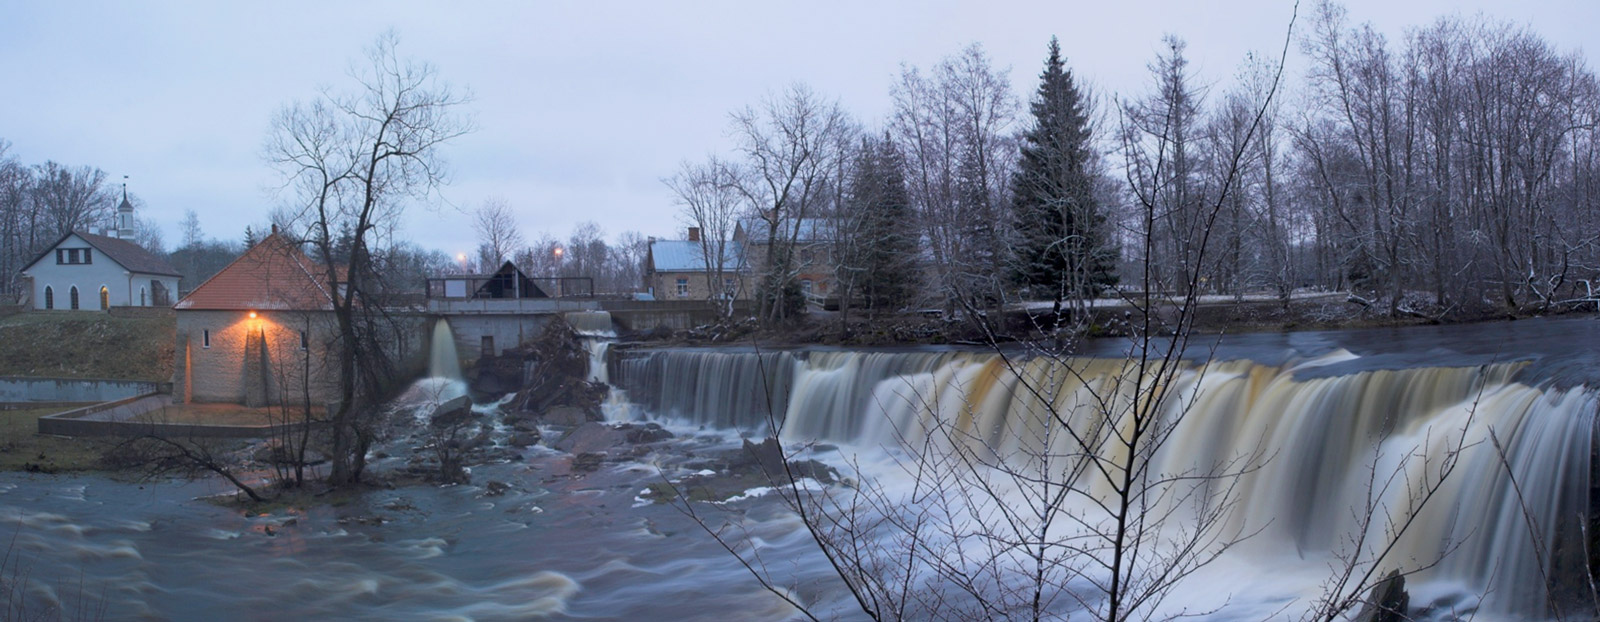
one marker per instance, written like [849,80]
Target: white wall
[122,286]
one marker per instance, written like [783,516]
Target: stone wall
[227,356]
[664,286]
[19,390]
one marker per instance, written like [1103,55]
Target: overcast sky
[581,107]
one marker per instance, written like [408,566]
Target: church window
[49,297]
[72,296]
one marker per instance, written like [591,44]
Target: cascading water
[1331,446]
[444,379]
[597,333]
[443,360]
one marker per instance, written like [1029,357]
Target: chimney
[694,234]
[274,228]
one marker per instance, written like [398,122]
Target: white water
[597,333]
[443,360]
[1313,456]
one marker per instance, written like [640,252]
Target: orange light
[252,315]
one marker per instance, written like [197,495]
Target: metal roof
[686,256]
[811,230]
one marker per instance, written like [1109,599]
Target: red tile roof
[273,275]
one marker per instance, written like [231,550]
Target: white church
[87,272]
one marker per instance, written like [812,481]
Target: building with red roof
[257,333]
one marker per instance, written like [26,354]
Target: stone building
[813,262]
[258,333]
[83,271]
[676,270]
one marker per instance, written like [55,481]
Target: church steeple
[125,214]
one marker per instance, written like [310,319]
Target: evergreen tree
[885,246]
[1062,250]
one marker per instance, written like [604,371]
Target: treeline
[615,267]
[1451,170]
[39,203]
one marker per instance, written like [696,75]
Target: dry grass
[62,344]
[22,448]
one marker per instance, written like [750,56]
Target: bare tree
[349,162]
[711,200]
[790,145]
[498,236]
[953,129]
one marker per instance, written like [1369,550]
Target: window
[805,287]
[305,342]
[49,297]
[71,256]
[72,296]
[805,256]
[728,287]
[105,298]
[142,298]
[683,288]
[486,347]
[205,338]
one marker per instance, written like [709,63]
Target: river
[1332,408]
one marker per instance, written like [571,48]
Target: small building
[258,332]
[83,271]
[507,282]
[676,270]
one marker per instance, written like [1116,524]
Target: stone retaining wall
[23,390]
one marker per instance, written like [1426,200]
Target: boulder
[587,462]
[597,436]
[569,416]
[451,412]
[1389,601]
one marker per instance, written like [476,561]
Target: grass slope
[87,345]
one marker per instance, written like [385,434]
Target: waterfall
[597,333]
[443,362]
[1330,442]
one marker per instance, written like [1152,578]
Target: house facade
[259,332]
[813,263]
[87,272]
[676,270]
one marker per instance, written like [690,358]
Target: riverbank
[1214,315]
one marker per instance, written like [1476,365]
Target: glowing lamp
[252,315]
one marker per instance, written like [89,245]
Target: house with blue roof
[679,270]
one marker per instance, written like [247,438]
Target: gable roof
[130,256]
[508,282]
[686,256]
[274,274]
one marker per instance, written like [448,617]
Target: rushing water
[443,360]
[1325,442]
[1325,412]
[595,330]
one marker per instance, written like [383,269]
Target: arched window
[105,298]
[73,295]
[49,297]
[141,297]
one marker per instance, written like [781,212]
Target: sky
[581,108]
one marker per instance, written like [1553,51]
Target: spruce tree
[1063,249]
[886,248]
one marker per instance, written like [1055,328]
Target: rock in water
[1388,602]
[451,411]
